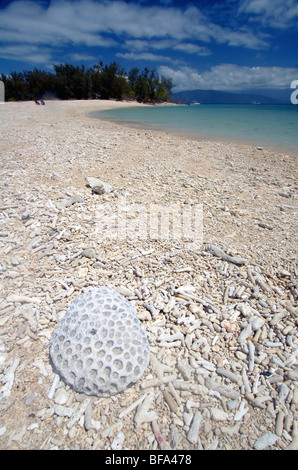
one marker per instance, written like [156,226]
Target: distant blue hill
[264,96]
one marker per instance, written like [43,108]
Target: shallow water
[272,126]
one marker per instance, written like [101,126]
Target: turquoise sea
[268,126]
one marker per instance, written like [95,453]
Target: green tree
[16,87]
[111,81]
[133,77]
[74,82]
[164,89]
[71,82]
[38,83]
[147,86]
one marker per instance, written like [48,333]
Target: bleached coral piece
[100,347]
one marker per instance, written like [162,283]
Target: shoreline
[203,136]
[58,238]
[105,105]
[200,135]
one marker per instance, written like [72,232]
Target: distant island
[264,96]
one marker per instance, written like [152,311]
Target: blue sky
[223,45]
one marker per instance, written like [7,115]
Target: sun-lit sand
[49,216]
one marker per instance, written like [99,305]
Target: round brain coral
[100,347]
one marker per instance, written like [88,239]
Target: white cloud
[61,23]
[146,56]
[138,30]
[145,45]
[91,23]
[190,48]
[77,57]
[274,13]
[186,78]
[229,77]
[246,39]
[32,54]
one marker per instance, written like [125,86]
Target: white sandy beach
[249,201]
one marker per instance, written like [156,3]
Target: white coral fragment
[100,347]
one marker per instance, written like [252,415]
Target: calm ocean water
[272,126]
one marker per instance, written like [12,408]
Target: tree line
[80,83]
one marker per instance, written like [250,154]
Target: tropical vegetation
[80,83]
